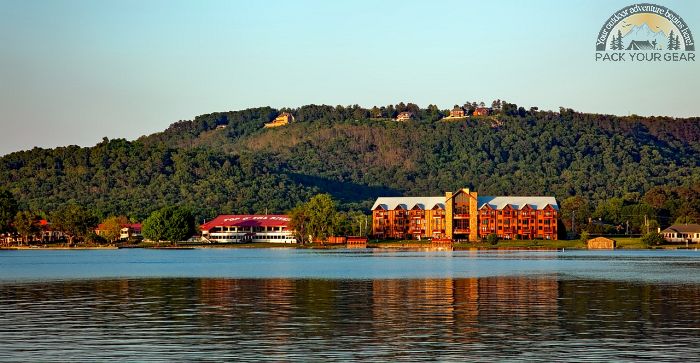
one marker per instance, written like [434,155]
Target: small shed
[601,243]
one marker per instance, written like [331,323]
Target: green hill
[227,163]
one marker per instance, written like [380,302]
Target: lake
[348,305]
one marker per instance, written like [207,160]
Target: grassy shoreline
[535,245]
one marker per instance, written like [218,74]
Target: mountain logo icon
[645,27]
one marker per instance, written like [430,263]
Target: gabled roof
[517,202]
[683,228]
[391,203]
[640,45]
[407,203]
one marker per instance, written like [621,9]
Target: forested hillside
[227,163]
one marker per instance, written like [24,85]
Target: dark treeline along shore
[602,168]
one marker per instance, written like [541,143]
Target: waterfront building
[464,215]
[682,233]
[248,228]
[601,243]
[126,231]
[283,119]
[132,230]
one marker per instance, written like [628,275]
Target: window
[461,209]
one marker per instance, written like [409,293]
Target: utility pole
[646,224]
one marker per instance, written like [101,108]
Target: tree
[74,221]
[671,41]
[153,227]
[171,224]
[318,218]
[24,223]
[576,207]
[613,43]
[653,239]
[8,210]
[112,226]
[610,210]
[619,40]
[652,225]
[685,219]
[299,222]
[585,236]
[322,217]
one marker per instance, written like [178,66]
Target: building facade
[464,215]
[248,228]
[404,116]
[682,233]
[458,112]
[283,119]
[482,111]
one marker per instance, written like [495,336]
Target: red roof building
[248,228]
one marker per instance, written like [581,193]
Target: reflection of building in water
[461,306]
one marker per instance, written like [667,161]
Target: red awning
[230,220]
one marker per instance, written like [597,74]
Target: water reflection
[509,318]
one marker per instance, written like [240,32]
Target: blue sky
[72,72]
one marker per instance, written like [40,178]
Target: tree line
[348,153]
[76,223]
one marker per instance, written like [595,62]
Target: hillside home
[283,119]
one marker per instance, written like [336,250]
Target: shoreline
[376,246]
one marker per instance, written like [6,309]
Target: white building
[248,228]
[682,233]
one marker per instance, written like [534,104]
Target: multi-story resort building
[465,215]
[248,228]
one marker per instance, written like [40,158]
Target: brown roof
[683,228]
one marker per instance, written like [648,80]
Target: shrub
[94,238]
[653,239]
[492,239]
[585,236]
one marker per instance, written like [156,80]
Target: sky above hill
[72,72]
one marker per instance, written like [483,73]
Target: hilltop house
[404,116]
[283,119]
[482,111]
[458,112]
[682,233]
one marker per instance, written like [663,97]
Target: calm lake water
[301,305]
